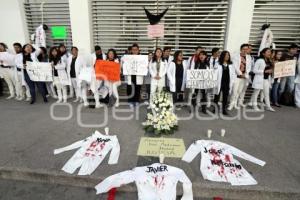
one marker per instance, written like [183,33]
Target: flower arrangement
[162,119]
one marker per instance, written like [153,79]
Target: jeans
[274,92]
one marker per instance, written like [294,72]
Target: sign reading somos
[201,78]
[135,65]
[285,68]
[170,147]
[39,71]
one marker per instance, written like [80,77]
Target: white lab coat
[211,59]
[236,61]
[79,65]
[156,181]
[40,36]
[162,72]
[94,58]
[232,76]
[266,40]
[62,74]
[258,70]
[171,73]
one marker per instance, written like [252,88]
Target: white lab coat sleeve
[75,145]
[151,70]
[171,77]
[187,186]
[115,153]
[61,65]
[114,181]
[244,155]
[259,67]
[236,65]
[192,152]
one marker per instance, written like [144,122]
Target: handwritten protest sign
[201,78]
[285,68]
[135,65]
[156,31]
[38,71]
[170,147]
[107,70]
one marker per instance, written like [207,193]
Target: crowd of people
[235,74]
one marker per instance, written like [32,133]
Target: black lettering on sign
[154,170]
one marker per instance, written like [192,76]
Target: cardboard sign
[156,31]
[135,65]
[285,68]
[107,70]
[170,147]
[39,71]
[201,78]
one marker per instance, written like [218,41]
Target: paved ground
[29,135]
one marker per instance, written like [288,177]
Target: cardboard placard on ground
[201,78]
[135,65]
[107,70]
[170,147]
[285,68]
[156,31]
[39,71]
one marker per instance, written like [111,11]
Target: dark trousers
[203,99]
[225,92]
[133,91]
[178,97]
[31,84]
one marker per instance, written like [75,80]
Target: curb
[199,190]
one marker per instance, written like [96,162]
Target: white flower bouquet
[162,119]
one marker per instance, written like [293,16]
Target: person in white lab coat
[75,64]
[147,79]
[176,77]
[242,65]
[98,55]
[226,77]
[263,70]
[134,82]
[64,53]
[19,78]
[60,78]
[158,70]
[7,69]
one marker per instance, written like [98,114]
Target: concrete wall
[13,22]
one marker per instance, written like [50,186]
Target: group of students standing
[234,74]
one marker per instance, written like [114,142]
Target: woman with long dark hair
[158,70]
[176,76]
[60,77]
[113,86]
[263,70]
[225,73]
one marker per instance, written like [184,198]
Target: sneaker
[85,104]
[117,104]
[10,97]
[230,107]
[237,107]
[28,99]
[98,105]
[65,100]
[76,100]
[270,109]
[250,104]
[242,105]
[256,109]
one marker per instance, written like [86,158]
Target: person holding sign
[242,66]
[263,70]
[176,76]
[226,74]
[157,70]
[134,82]
[201,63]
[113,85]
[75,64]
[60,78]
[288,81]
[297,85]
[30,55]
[274,92]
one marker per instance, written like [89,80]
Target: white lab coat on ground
[157,181]
[171,72]
[91,153]
[218,164]
[232,76]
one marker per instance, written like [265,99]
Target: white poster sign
[201,78]
[39,71]
[135,65]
